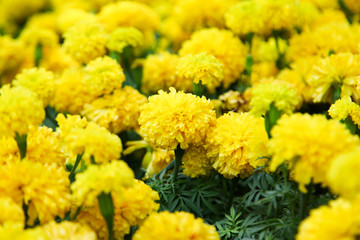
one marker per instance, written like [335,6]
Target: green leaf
[106,207]
[21,141]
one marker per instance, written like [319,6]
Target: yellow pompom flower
[307,144]
[201,68]
[123,37]
[195,162]
[108,177]
[227,48]
[344,108]
[68,230]
[265,51]
[43,188]
[342,175]
[10,59]
[32,36]
[103,75]
[234,101]
[173,118]
[353,5]
[338,221]
[11,212]
[336,70]
[197,14]
[117,112]
[179,226]
[93,141]
[71,94]
[160,158]
[236,144]
[16,231]
[68,123]
[85,41]
[159,73]
[69,17]
[283,97]
[245,17]
[20,108]
[128,14]
[39,81]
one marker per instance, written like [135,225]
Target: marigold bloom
[39,81]
[173,118]
[353,5]
[238,153]
[94,141]
[16,231]
[266,51]
[71,94]
[224,46]
[85,41]
[195,162]
[308,143]
[10,59]
[283,97]
[342,177]
[128,14]
[197,14]
[234,101]
[245,17]
[159,73]
[179,225]
[160,158]
[68,230]
[344,108]
[20,108]
[123,37]
[201,67]
[117,112]
[108,177]
[32,36]
[337,69]
[339,220]
[103,75]
[69,17]
[43,188]
[10,211]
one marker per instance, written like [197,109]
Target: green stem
[304,202]
[350,125]
[178,156]
[106,206]
[72,173]
[21,141]
[271,118]
[38,54]
[198,89]
[337,93]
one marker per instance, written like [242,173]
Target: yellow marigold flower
[39,81]
[308,143]
[44,188]
[173,32]
[324,4]
[245,17]
[173,118]
[10,58]
[20,108]
[94,141]
[262,70]
[16,231]
[344,108]
[128,14]
[238,153]
[195,162]
[353,5]
[123,37]
[11,212]
[85,41]
[337,69]
[159,73]
[131,209]
[265,51]
[342,177]
[108,177]
[234,101]
[338,221]
[19,10]
[224,46]
[201,68]
[45,20]
[283,97]
[160,158]
[68,230]
[103,75]
[33,36]
[71,94]
[308,13]
[278,14]
[117,112]
[179,225]
[70,122]
[69,17]
[57,60]
[197,14]
[8,149]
